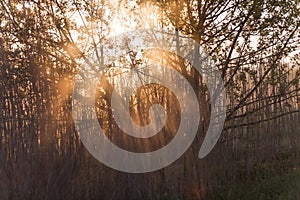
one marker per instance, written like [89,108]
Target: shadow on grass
[282,187]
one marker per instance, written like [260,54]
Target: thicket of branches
[253,43]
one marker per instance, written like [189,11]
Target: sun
[117,27]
